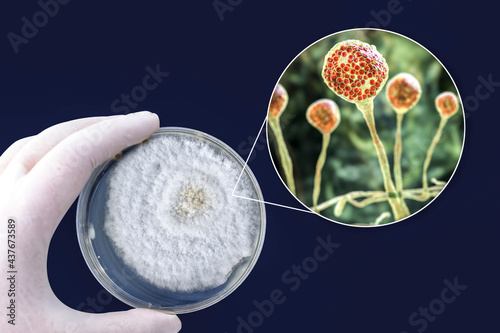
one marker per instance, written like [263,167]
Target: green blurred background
[352,162]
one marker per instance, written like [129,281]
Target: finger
[56,180]
[132,321]
[40,144]
[12,151]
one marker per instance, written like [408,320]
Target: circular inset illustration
[364,128]
[159,227]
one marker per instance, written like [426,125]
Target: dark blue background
[221,76]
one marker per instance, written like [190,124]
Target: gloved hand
[40,178]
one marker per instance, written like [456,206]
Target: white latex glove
[40,177]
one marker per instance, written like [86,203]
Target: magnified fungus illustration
[279,102]
[373,167]
[324,115]
[355,71]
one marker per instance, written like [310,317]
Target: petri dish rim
[85,230]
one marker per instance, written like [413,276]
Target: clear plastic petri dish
[159,227]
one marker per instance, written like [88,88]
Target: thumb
[131,321]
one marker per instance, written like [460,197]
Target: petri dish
[159,227]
